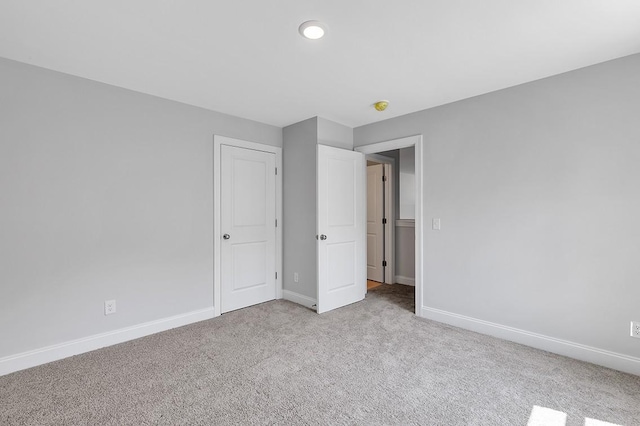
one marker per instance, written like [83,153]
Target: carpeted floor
[370,363]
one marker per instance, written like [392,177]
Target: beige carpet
[278,363]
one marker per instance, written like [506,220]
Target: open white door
[375,225]
[342,271]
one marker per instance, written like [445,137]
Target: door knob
[323,237]
[226,236]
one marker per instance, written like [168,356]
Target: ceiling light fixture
[312,30]
[381,105]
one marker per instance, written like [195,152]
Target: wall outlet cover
[109,307]
[635,329]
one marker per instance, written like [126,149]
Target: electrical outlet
[296,278]
[109,307]
[635,329]
[435,224]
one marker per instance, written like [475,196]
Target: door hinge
[276,223]
[384,263]
[276,275]
[384,178]
[276,170]
[384,220]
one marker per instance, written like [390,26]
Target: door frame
[218,141]
[389,213]
[406,142]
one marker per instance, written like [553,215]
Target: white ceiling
[247,59]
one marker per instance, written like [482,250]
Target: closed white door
[341,228]
[375,226]
[247,219]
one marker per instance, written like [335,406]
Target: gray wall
[105,194]
[299,211]
[537,188]
[405,252]
[405,236]
[334,134]
[407,207]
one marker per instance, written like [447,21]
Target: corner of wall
[334,134]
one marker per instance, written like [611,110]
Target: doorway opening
[403,246]
[380,219]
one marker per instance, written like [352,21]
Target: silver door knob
[323,237]
[226,236]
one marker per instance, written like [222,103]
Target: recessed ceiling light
[312,30]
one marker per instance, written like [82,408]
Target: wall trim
[401,279]
[300,299]
[47,354]
[603,357]
[405,223]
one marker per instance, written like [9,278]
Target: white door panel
[341,257]
[247,220]
[375,228]
[254,254]
[341,228]
[340,179]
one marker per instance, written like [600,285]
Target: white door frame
[419,221]
[218,141]
[389,213]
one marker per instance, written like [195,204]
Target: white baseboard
[23,360]
[617,361]
[400,279]
[299,299]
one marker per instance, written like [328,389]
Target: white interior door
[341,228]
[375,227]
[247,219]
